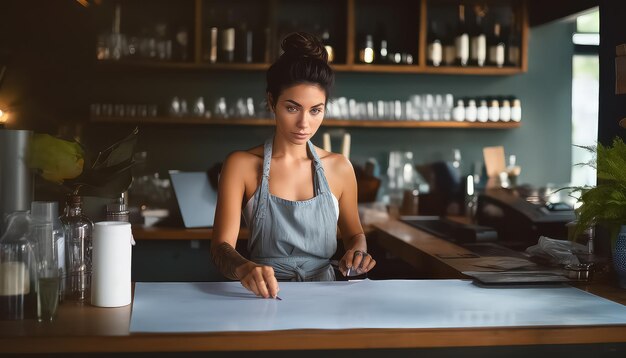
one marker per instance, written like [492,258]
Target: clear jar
[78,228]
[18,270]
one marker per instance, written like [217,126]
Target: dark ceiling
[543,11]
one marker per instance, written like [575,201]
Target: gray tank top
[296,238]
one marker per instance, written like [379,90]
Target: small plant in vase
[605,203]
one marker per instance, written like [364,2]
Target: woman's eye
[315,111]
[292,109]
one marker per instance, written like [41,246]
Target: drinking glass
[48,278]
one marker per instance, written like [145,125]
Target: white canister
[111,268]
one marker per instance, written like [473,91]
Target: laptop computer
[197,199]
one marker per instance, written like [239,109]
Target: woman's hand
[357,261]
[259,279]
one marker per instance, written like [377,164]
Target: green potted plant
[605,203]
[66,164]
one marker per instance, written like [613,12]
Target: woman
[292,193]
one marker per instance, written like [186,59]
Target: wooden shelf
[370,68]
[353,9]
[386,68]
[144,64]
[181,65]
[487,70]
[179,233]
[326,123]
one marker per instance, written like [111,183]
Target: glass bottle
[366,53]
[328,45]
[227,47]
[18,270]
[496,47]
[516,110]
[381,40]
[435,47]
[78,228]
[458,112]
[471,111]
[462,39]
[478,50]
[482,114]
[494,111]
[514,44]
[505,110]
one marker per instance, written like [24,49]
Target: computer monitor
[197,200]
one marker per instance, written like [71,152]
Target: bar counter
[81,328]
[87,329]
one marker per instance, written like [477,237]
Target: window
[585,89]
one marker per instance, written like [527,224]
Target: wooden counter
[84,328]
[178,233]
[442,259]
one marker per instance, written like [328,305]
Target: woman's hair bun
[302,44]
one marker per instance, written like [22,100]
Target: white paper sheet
[227,306]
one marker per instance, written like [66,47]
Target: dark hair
[304,60]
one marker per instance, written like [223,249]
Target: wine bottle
[435,46]
[478,50]
[449,48]
[227,46]
[461,41]
[328,46]
[244,41]
[366,54]
[382,45]
[513,53]
[210,50]
[496,47]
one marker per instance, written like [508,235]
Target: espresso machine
[16,179]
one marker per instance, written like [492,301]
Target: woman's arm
[231,190]
[356,257]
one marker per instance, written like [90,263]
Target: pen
[278,298]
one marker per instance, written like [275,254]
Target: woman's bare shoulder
[247,155]
[244,162]
[335,162]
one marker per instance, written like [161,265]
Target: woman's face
[299,112]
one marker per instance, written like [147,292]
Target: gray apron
[296,238]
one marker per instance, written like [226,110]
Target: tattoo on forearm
[227,259]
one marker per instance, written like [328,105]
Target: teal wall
[542,144]
[51,80]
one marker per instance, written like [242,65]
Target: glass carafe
[18,270]
[78,230]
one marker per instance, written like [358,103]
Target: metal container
[16,179]
[580,272]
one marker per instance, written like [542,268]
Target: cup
[111,270]
[48,277]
